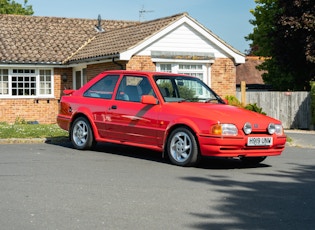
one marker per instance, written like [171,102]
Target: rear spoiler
[68,91]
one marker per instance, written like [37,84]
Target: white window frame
[24,75]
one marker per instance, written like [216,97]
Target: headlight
[224,129]
[247,128]
[277,129]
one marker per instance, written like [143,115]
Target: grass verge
[31,131]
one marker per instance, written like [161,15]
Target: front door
[80,77]
[129,120]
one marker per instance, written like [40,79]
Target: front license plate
[259,141]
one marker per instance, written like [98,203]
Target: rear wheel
[81,134]
[252,160]
[182,147]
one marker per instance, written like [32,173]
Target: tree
[283,32]
[12,7]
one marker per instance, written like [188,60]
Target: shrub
[232,100]
[254,107]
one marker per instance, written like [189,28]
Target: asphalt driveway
[53,186]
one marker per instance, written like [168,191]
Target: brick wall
[141,63]
[59,84]
[95,69]
[223,77]
[42,110]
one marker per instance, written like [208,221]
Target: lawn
[31,131]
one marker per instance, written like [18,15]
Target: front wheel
[81,134]
[182,147]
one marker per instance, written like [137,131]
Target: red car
[176,114]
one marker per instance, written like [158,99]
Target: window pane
[104,88]
[4,82]
[23,85]
[131,88]
[166,68]
[45,82]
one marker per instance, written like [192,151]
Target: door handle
[114,107]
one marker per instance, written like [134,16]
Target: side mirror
[226,101]
[149,99]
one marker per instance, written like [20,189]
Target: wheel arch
[82,114]
[171,128]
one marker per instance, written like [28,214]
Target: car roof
[150,73]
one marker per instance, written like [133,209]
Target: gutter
[94,59]
[116,63]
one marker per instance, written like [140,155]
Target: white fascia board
[31,66]
[161,60]
[238,57]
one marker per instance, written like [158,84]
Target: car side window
[104,88]
[131,88]
[166,88]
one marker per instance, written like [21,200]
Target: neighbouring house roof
[248,72]
[51,40]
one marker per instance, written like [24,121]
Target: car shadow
[150,155]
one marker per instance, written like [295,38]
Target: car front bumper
[220,146]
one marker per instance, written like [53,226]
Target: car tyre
[182,147]
[81,134]
[252,160]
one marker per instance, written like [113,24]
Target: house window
[26,83]
[197,70]
[192,70]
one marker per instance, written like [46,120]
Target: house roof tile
[52,40]
[248,72]
[32,39]
[116,41]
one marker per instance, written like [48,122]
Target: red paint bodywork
[148,124]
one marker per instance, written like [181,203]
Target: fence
[292,108]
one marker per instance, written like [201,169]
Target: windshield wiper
[211,99]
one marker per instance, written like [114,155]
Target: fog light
[247,128]
[271,128]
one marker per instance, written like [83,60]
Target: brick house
[41,56]
[249,73]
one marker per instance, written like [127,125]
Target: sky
[228,19]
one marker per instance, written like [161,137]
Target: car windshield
[185,88]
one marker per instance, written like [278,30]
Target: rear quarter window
[104,88]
